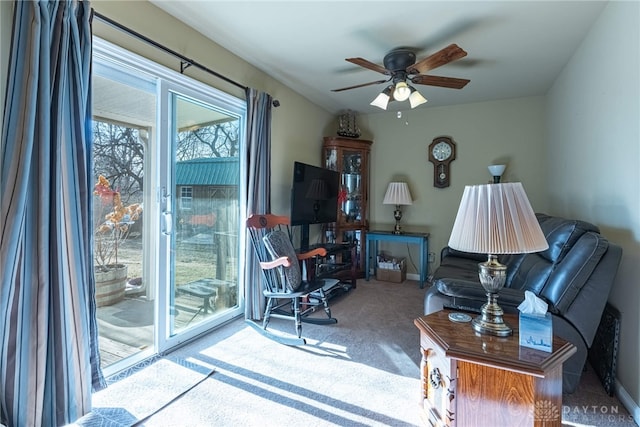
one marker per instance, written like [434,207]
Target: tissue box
[536,331]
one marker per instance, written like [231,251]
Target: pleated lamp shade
[496,219]
[397,194]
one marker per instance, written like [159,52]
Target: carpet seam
[173,400]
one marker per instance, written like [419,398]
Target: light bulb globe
[402,91]
[416,98]
[381,101]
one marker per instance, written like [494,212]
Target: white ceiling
[515,48]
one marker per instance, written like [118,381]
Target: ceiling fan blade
[438,59]
[368,64]
[449,82]
[360,85]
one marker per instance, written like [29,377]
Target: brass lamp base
[492,277]
[397,214]
[490,322]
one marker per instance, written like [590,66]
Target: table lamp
[495,219]
[496,172]
[397,194]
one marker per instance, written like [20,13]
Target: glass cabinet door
[349,164]
[352,186]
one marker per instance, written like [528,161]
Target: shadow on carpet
[132,400]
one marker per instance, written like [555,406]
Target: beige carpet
[362,371]
[143,393]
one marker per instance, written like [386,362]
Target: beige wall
[594,158]
[298,125]
[508,131]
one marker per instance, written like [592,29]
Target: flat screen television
[314,197]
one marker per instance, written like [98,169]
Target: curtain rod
[184,61]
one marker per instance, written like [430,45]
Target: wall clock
[442,151]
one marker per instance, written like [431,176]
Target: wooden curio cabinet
[350,157]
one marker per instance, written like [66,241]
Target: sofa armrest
[509,299]
[460,288]
[473,290]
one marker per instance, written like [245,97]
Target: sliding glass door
[167,206]
[201,212]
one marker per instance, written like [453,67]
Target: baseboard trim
[628,402]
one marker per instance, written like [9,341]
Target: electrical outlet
[432,257]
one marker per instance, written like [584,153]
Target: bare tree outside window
[216,140]
[118,151]
[118,155]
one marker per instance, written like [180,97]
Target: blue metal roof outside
[216,171]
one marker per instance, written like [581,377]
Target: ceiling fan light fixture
[402,91]
[400,67]
[416,98]
[383,98]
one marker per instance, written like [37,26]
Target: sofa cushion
[561,235]
[577,266]
[450,252]
[462,268]
[532,271]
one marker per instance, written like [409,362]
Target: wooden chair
[288,295]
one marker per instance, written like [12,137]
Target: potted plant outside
[113,224]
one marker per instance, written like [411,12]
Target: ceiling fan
[400,65]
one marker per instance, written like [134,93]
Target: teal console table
[421,239]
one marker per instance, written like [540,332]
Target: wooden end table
[469,379]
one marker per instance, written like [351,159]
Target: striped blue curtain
[258,154]
[49,358]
